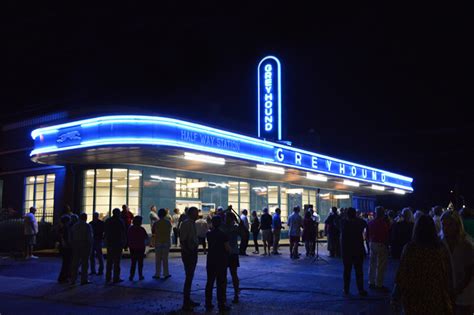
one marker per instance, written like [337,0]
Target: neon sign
[162,131]
[269,98]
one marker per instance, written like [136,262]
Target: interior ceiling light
[342,196]
[204,158]
[317,177]
[270,169]
[399,191]
[376,187]
[350,183]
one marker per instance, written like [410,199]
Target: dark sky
[388,87]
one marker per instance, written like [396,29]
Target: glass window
[244,189]
[273,198]
[182,190]
[284,204]
[105,189]
[39,193]
[239,196]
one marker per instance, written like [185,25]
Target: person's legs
[85,254]
[140,255]
[211,277]
[347,273]
[204,245]
[307,246]
[276,240]
[133,264]
[221,286]
[189,262]
[165,254]
[157,261]
[100,256]
[255,241]
[76,258]
[117,257]
[382,258]
[235,282]
[372,264]
[109,264]
[358,262]
[92,258]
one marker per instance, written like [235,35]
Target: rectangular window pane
[30,190]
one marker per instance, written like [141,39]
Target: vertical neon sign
[269,98]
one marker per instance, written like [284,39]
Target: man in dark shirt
[352,247]
[266,227]
[115,236]
[332,230]
[217,261]
[98,231]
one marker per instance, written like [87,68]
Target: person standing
[244,233]
[189,254]
[116,239]
[378,234]
[30,230]
[65,249]
[401,233]
[231,231]
[266,227]
[423,279]
[277,227]
[309,233]
[332,230]
[162,230]
[175,221]
[295,223]
[201,229]
[137,238]
[462,259]
[352,248]
[153,219]
[81,241]
[98,227]
[127,216]
[255,229]
[216,265]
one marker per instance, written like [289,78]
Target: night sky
[387,87]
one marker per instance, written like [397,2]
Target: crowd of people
[435,251]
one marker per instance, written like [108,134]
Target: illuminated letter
[279,155]
[364,173]
[342,168]
[268,104]
[353,171]
[298,158]
[268,67]
[268,127]
[374,175]
[314,162]
[268,75]
[383,177]
[268,111]
[269,97]
[328,163]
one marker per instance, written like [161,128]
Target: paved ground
[270,285]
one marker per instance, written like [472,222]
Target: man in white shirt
[31,230]
[244,233]
[295,223]
[175,225]
[201,230]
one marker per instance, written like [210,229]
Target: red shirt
[127,217]
[378,231]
